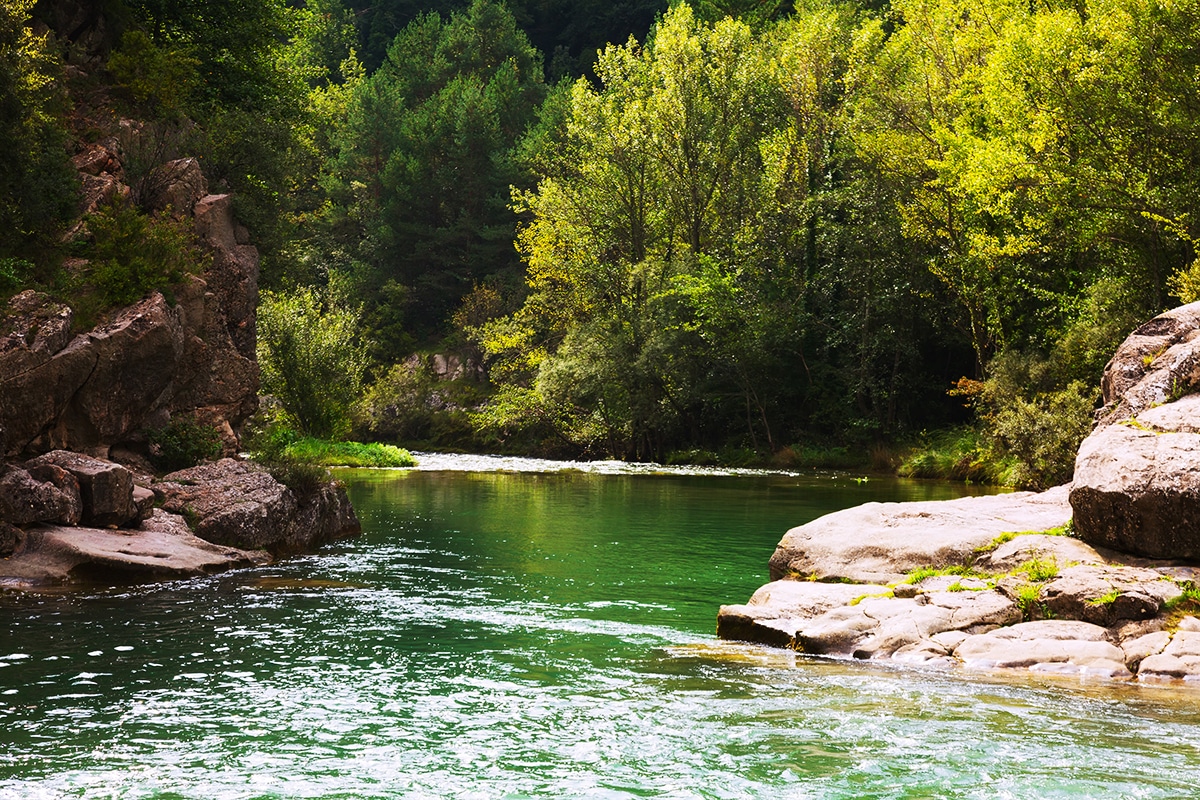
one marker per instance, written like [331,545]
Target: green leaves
[38,188]
[427,157]
[312,358]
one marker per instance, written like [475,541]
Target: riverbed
[518,630]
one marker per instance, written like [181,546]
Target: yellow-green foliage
[349,454]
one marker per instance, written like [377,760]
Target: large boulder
[239,504]
[882,542]
[1156,363]
[26,499]
[1137,476]
[105,488]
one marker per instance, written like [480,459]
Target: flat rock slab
[778,610]
[163,548]
[883,542]
[859,620]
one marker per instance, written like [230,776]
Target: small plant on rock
[1039,570]
[183,443]
[1027,598]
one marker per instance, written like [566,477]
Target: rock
[1108,595]
[1180,659]
[1158,361]
[144,500]
[94,159]
[25,500]
[136,357]
[882,542]
[233,277]
[1137,490]
[162,549]
[776,611]
[901,625]
[1137,480]
[239,504]
[1020,549]
[106,488]
[1140,648]
[68,486]
[10,539]
[104,387]
[176,186]
[1046,645]
[861,620]
[34,329]
[99,191]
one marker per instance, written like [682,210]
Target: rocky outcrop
[882,542]
[189,350]
[1137,476]
[240,504]
[1001,598]
[162,548]
[68,517]
[1158,362]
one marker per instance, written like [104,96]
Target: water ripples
[415,667]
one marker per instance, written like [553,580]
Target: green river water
[527,635]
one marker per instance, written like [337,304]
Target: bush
[1033,420]
[130,255]
[183,443]
[954,454]
[348,454]
[312,359]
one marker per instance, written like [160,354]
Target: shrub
[312,359]
[132,254]
[183,443]
[269,444]
[348,454]
[1040,430]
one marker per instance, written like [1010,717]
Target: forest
[901,235]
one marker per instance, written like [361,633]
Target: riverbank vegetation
[900,235]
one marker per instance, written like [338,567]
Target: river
[522,634]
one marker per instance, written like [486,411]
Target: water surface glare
[537,635]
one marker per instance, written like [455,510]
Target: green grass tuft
[1062,530]
[862,597]
[1027,598]
[1105,599]
[921,573]
[1038,570]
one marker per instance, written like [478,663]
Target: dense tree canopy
[650,226]
[37,187]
